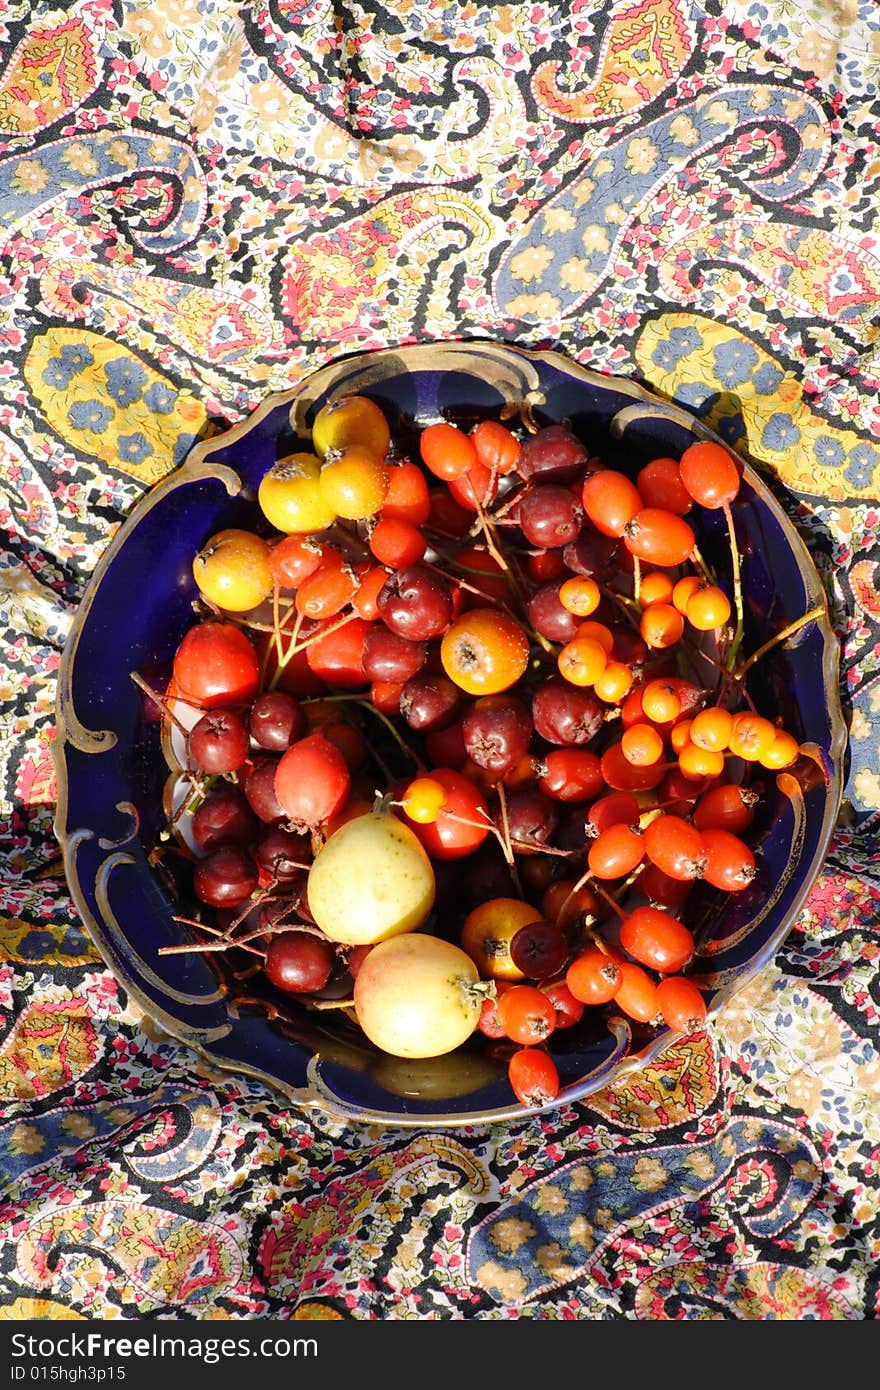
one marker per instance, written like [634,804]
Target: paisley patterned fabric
[201,203]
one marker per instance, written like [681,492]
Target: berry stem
[782,636]
[737,587]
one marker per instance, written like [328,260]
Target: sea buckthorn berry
[371,581]
[661,625]
[533,1076]
[610,500]
[729,863]
[661,701]
[580,595]
[526,1014]
[594,976]
[614,683]
[407,498]
[636,994]
[424,799]
[655,587]
[709,473]
[615,852]
[656,939]
[446,451]
[660,484]
[294,558]
[476,487]
[683,589]
[697,763]
[675,846]
[495,446]
[658,536]
[783,751]
[680,735]
[597,632]
[726,806]
[711,729]
[582,661]
[397,543]
[682,1006]
[707,608]
[642,745]
[751,736]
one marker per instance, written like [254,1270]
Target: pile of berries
[522,652]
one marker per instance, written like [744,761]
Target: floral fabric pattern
[201,204]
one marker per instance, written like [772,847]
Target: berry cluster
[523,655]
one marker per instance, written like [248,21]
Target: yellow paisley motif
[806,452]
[50,1045]
[38,1309]
[106,402]
[14,931]
[644,48]
[674,1087]
[51,73]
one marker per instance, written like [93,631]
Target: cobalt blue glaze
[111,770]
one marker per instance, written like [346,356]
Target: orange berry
[661,625]
[711,729]
[656,587]
[783,751]
[751,736]
[582,661]
[580,595]
[642,745]
[683,590]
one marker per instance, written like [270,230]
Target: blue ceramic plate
[112,773]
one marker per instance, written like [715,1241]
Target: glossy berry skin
[219,742]
[637,993]
[526,1014]
[729,862]
[570,775]
[258,784]
[615,852]
[226,877]
[216,664]
[550,515]
[659,537]
[281,855]
[549,616]
[416,603]
[709,474]
[682,1005]
[611,500]
[565,714]
[534,1077]
[675,846]
[224,818]
[485,651]
[458,829]
[539,950]
[430,701]
[554,454]
[312,781]
[593,977]
[389,657]
[299,962]
[276,720]
[497,730]
[660,485]
[656,939]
